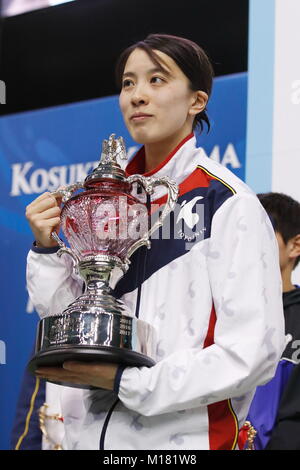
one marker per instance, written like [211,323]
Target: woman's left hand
[99,375]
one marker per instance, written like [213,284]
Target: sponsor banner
[42,150]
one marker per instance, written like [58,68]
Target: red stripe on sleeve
[223,427]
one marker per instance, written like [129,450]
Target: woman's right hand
[43,215]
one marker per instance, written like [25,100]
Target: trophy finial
[112,149]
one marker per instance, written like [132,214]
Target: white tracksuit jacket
[216,304]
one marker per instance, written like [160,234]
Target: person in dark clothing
[275,409]
[286,433]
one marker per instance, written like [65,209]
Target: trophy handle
[66,193]
[64,249]
[149,184]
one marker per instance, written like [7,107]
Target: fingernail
[67,364]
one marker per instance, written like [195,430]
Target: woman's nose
[139,97]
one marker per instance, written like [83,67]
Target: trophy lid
[108,167]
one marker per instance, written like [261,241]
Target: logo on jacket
[193,216]
[186,212]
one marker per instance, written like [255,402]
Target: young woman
[216,306]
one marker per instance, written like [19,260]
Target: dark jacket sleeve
[286,432]
[26,433]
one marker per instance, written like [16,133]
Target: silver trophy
[104,225]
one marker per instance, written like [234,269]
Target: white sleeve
[243,267]
[51,283]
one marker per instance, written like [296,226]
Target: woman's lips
[140,117]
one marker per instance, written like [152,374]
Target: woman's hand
[98,375]
[43,215]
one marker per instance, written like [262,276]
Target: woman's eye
[157,80]
[127,83]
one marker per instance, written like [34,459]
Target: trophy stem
[100,275]
[101,271]
[93,286]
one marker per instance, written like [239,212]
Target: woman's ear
[294,247]
[200,99]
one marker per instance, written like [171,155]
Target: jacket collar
[178,165]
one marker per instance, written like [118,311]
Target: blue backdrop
[42,149]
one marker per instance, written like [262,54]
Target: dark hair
[189,57]
[284,212]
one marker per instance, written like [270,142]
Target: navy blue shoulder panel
[187,225]
[217,194]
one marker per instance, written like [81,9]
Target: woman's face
[156,104]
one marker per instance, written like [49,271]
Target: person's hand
[100,375]
[43,215]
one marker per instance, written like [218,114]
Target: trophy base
[56,358]
[93,337]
